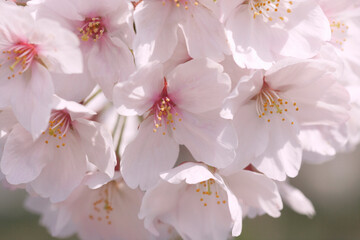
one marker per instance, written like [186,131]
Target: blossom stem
[92,97]
[120,138]
[116,125]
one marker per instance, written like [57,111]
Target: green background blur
[333,188]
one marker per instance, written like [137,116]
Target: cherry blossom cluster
[172,119]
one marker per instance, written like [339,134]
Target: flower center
[59,125]
[102,207]
[338,33]
[164,112]
[269,103]
[92,28]
[182,3]
[18,58]
[209,191]
[270,9]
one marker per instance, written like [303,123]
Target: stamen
[93,28]
[19,58]
[209,191]
[270,9]
[339,33]
[269,103]
[182,3]
[102,207]
[59,124]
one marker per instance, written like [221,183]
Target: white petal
[98,145]
[198,85]
[75,109]
[23,159]
[315,140]
[296,199]
[157,201]
[308,30]
[66,9]
[179,56]
[156,28]
[7,120]
[195,221]
[16,24]
[283,74]
[73,87]
[32,100]
[58,48]
[257,191]
[254,44]
[110,61]
[209,138]
[64,171]
[253,137]
[97,179]
[204,34]
[227,7]
[148,155]
[3,138]
[245,89]
[283,154]
[191,173]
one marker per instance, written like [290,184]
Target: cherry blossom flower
[108,212]
[105,29]
[201,204]
[27,57]
[261,32]
[55,163]
[157,23]
[344,17]
[181,108]
[270,107]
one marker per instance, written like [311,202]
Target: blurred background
[333,187]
